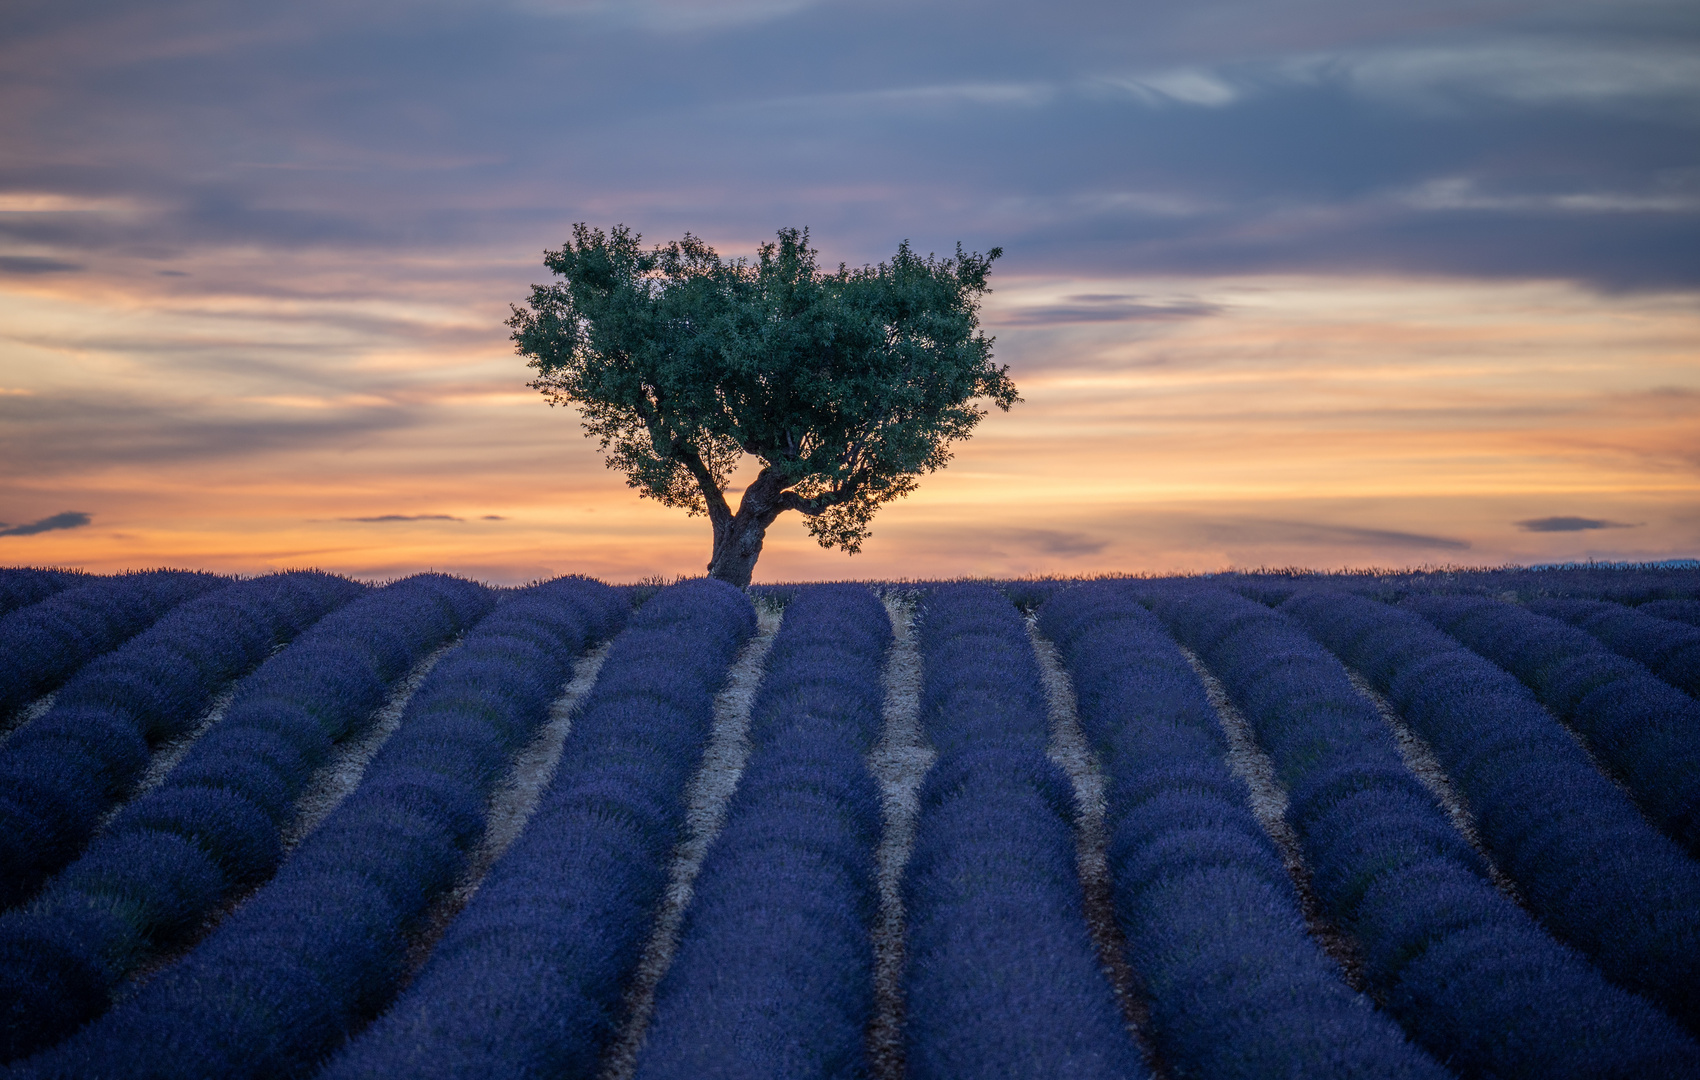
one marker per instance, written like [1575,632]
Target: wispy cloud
[37,264]
[1322,533]
[1465,193]
[60,434]
[1177,86]
[71,519]
[1536,70]
[404,517]
[1057,542]
[1098,307]
[58,202]
[1569,524]
[671,16]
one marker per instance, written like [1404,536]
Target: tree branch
[819,504]
[719,510]
[790,500]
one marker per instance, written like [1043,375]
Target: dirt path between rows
[706,800]
[899,762]
[1420,758]
[511,805]
[1070,750]
[1247,761]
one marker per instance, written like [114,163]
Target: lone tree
[847,386]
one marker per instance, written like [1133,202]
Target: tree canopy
[846,385]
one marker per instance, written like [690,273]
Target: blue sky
[282,234]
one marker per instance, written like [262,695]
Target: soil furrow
[1069,749]
[337,778]
[899,763]
[169,753]
[706,799]
[1248,761]
[511,806]
[1425,766]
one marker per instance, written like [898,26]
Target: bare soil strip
[333,781]
[706,799]
[1510,596]
[1269,803]
[168,753]
[1069,749]
[328,786]
[1419,758]
[26,714]
[511,806]
[899,763]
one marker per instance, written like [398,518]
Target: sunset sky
[1314,283]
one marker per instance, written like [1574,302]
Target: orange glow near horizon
[1310,421]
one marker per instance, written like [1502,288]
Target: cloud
[1185,86]
[37,264]
[670,16]
[1569,524]
[71,519]
[1299,137]
[1095,307]
[1304,532]
[59,434]
[384,518]
[1053,542]
[1463,193]
[1527,71]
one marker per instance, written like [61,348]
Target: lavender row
[1214,929]
[46,642]
[1670,649]
[212,828]
[773,977]
[1682,611]
[1639,728]
[278,984]
[1594,872]
[1625,586]
[21,586]
[60,775]
[1638,586]
[1003,978]
[1465,971]
[527,980]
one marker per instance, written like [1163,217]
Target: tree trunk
[738,539]
[736,551]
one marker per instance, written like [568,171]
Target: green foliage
[846,385]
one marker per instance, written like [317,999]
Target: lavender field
[1416,825]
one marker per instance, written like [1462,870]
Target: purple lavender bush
[64,771]
[281,982]
[1669,648]
[212,829]
[1003,978]
[1590,867]
[47,641]
[527,980]
[773,977]
[1235,984]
